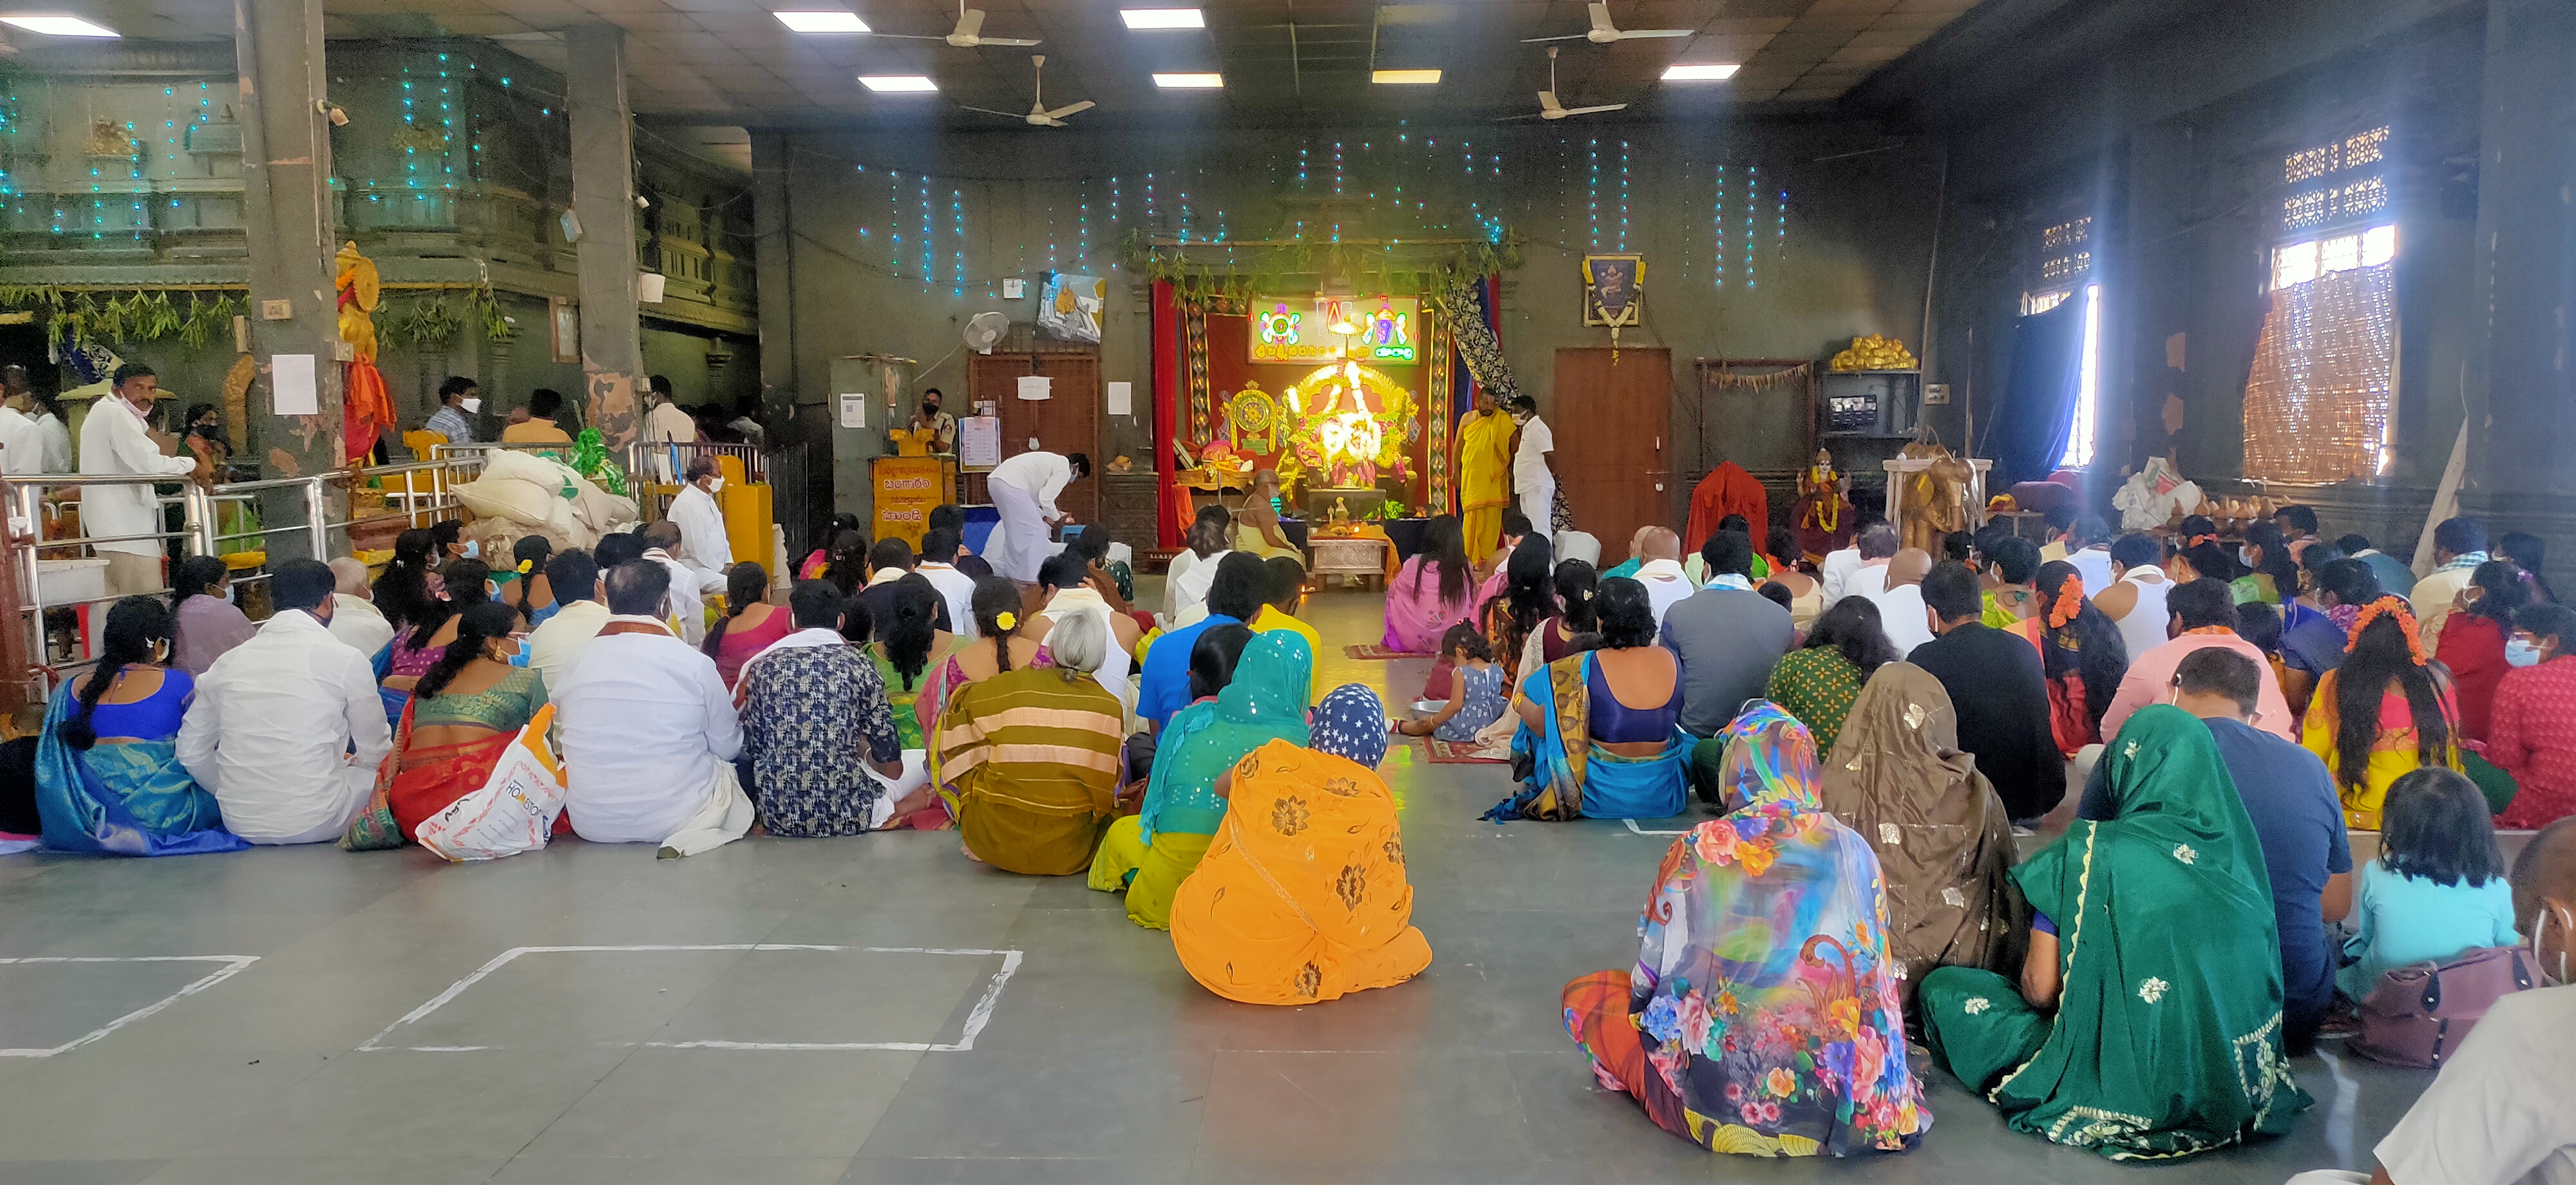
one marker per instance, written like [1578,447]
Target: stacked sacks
[537,495]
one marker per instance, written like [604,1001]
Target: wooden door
[1067,421]
[1613,425]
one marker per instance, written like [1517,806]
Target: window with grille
[2320,404]
[2064,269]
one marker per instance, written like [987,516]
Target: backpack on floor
[2417,1014]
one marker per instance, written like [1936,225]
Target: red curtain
[1175,502]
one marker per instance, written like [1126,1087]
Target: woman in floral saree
[2147,1024]
[1150,853]
[1762,1016]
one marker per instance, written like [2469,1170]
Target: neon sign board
[1380,329]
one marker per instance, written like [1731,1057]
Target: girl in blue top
[2437,888]
[1476,692]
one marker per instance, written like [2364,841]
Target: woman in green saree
[2147,1024]
[1152,852]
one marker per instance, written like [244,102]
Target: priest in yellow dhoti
[1484,469]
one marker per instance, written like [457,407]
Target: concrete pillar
[603,198]
[286,207]
[2526,260]
[774,256]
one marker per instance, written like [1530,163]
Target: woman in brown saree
[1898,777]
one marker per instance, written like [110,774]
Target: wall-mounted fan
[984,329]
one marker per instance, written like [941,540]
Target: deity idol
[1824,507]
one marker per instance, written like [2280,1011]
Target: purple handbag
[2419,1013]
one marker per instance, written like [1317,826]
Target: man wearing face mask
[942,425]
[703,545]
[459,400]
[2498,1113]
[116,443]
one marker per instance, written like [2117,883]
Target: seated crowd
[1879,726]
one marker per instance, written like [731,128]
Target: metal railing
[419,492]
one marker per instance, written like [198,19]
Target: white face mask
[471,407]
[715,485]
[2550,977]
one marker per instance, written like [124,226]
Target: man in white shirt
[649,732]
[2498,1113]
[1900,603]
[1024,490]
[937,565]
[354,616]
[665,423]
[662,546]
[704,546]
[287,729]
[114,442]
[1661,573]
[1185,582]
[1534,464]
[58,437]
[556,647]
[22,443]
[1866,574]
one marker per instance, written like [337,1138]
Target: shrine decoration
[367,406]
[1347,423]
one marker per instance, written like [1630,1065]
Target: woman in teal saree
[1150,853]
[2147,1024]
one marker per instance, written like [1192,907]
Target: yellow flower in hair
[527,566]
[1007,620]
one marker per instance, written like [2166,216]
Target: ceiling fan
[1549,108]
[969,32]
[1038,114]
[1604,33]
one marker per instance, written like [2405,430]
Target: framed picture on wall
[563,317]
[1614,290]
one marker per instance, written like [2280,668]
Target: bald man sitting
[354,618]
[1900,604]
[1666,583]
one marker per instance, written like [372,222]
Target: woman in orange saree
[461,718]
[1302,897]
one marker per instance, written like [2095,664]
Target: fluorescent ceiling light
[1404,77]
[1189,81]
[1700,72]
[56,25]
[897,82]
[1162,18]
[822,21]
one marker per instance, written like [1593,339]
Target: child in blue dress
[1477,693]
[2438,887]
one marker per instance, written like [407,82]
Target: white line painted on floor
[1632,826]
[976,1019]
[233,965]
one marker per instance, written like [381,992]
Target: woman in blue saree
[108,778]
[1593,752]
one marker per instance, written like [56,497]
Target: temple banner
[1380,330]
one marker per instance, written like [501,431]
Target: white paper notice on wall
[854,409]
[1035,386]
[1122,399]
[291,389]
[979,442]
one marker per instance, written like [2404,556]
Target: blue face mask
[2520,653]
[473,549]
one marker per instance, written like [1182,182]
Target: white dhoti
[915,775]
[725,817]
[1537,502]
[1023,544]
